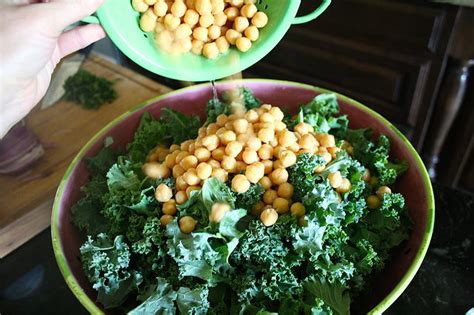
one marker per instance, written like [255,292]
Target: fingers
[58,14]
[78,38]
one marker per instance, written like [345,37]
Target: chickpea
[303,128]
[251,116]
[382,191]
[277,164]
[281,205]
[220,19]
[240,125]
[236,3]
[218,154]
[231,13]
[190,4]
[203,6]
[228,163]
[148,21]
[287,158]
[279,176]
[373,202]
[269,217]
[345,186]
[307,141]
[265,182]
[257,208]
[240,184]
[212,129]
[255,172]
[335,179]
[326,140]
[250,156]
[366,175]
[191,178]
[150,2]
[190,189]
[218,6]
[233,148]
[254,144]
[240,167]
[297,209]
[163,193]
[269,196]
[185,145]
[188,162]
[267,118]
[211,142]
[220,174]
[183,31]
[181,197]
[222,44]
[178,171]
[327,157]
[260,19]
[265,152]
[139,6]
[187,224]
[206,20]
[191,17]
[319,168]
[169,207]
[171,22]
[204,170]
[156,170]
[218,212]
[268,164]
[243,138]
[227,137]
[241,23]
[201,33]
[160,8]
[232,35]
[197,46]
[286,138]
[202,154]
[214,163]
[166,219]
[214,32]
[285,190]
[178,8]
[248,10]
[181,183]
[266,135]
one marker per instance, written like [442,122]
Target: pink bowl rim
[378,309]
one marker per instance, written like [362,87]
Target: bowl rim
[378,309]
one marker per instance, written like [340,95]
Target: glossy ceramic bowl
[414,184]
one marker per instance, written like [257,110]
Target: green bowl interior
[414,185]
[121,24]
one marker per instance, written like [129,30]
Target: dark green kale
[249,198]
[88,90]
[302,176]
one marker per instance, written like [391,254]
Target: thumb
[78,38]
[62,13]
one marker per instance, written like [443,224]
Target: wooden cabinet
[387,54]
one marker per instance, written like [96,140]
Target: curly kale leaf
[148,135]
[106,264]
[199,254]
[320,114]
[179,127]
[375,155]
[250,101]
[249,198]
[301,174]
[214,108]
[161,300]
[334,295]
[193,302]
[201,201]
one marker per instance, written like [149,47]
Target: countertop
[30,281]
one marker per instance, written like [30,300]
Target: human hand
[32,42]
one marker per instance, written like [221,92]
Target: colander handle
[313,15]
[91,19]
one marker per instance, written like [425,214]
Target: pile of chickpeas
[204,27]
[247,148]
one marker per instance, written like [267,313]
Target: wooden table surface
[63,128]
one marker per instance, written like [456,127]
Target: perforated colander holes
[265,5]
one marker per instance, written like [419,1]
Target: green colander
[120,22]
